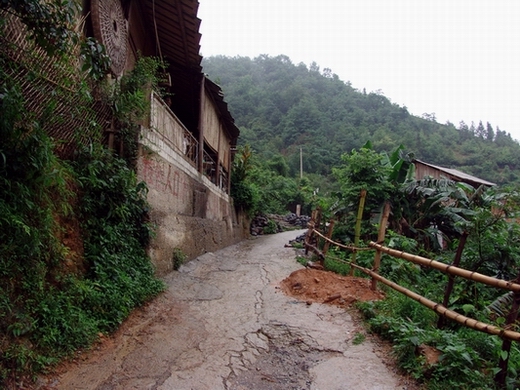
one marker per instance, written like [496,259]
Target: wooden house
[194,117]
[423,169]
[187,145]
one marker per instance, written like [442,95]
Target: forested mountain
[281,107]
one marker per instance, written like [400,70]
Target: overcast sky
[459,59]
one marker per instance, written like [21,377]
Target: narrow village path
[224,323]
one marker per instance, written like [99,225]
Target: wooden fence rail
[449,269]
[506,333]
[443,311]
[437,307]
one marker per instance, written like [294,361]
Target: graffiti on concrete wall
[162,177]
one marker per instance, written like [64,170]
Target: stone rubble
[274,223]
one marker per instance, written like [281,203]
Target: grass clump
[178,258]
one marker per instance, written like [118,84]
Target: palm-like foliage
[442,207]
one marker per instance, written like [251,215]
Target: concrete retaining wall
[189,211]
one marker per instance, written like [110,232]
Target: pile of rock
[262,224]
[274,223]
[298,240]
[295,220]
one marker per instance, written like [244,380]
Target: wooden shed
[423,169]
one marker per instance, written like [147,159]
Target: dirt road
[224,323]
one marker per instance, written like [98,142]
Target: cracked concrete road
[223,323]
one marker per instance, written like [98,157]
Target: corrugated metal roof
[177,30]
[464,177]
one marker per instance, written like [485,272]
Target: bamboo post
[317,227]
[361,207]
[329,236]
[310,232]
[380,240]
[310,227]
[451,278]
[318,218]
[500,377]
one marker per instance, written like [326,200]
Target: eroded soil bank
[225,323]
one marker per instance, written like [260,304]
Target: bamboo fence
[507,334]
[449,269]
[437,307]
[442,310]
[71,122]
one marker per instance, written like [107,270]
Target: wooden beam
[200,165]
[380,240]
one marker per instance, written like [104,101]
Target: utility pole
[301,164]
[299,206]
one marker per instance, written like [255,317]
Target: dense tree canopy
[281,107]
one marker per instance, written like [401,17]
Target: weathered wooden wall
[423,170]
[214,132]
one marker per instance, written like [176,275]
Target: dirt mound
[313,285]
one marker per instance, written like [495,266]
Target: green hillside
[281,107]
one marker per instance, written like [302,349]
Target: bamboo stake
[438,308]
[317,226]
[500,377]
[361,207]
[451,278]
[380,240]
[318,218]
[311,225]
[308,236]
[329,235]
[450,269]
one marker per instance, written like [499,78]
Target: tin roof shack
[423,169]
[186,148]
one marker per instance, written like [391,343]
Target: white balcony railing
[176,136]
[173,132]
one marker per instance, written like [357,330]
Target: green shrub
[178,258]
[333,262]
[245,196]
[46,311]
[47,308]
[114,218]
[271,227]
[466,355]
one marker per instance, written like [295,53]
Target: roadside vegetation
[73,232]
[430,218]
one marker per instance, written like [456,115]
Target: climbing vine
[129,99]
